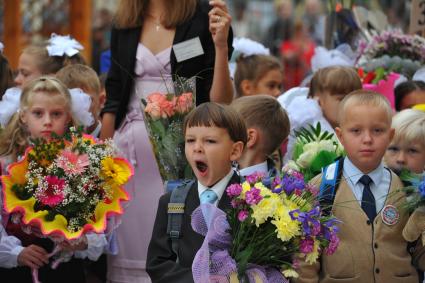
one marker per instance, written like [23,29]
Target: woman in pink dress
[144,55]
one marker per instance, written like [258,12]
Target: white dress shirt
[380,186]
[259,168]
[218,188]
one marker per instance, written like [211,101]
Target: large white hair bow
[80,106]
[63,44]
[249,47]
[343,55]
[9,105]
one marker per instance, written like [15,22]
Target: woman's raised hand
[220,20]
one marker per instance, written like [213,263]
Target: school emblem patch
[390,215]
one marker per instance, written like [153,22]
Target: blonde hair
[409,126]
[264,113]
[364,97]
[47,64]
[335,80]
[14,138]
[253,68]
[79,76]
[130,13]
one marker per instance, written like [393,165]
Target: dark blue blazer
[161,262]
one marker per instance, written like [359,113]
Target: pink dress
[153,73]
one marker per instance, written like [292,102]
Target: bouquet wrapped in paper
[264,233]
[394,51]
[313,150]
[65,187]
[164,117]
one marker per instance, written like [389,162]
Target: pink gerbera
[53,194]
[73,163]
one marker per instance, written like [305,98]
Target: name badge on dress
[390,215]
[188,49]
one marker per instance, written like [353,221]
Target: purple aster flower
[333,245]
[234,190]
[253,196]
[254,178]
[306,245]
[242,215]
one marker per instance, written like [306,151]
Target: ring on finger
[218,19]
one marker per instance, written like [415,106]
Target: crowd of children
[379,241]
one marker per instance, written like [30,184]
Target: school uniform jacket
[161,262]
[367,253]
[124,43]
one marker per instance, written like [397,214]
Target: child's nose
[367,137]
[18,80]
[47,120]
[197,147]
[401,157]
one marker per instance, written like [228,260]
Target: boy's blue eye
[211,141]
[37,113]
[393,148]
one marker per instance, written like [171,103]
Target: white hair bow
[63,44]
[1,47]
[80,107]
[9,105]
[343,55]
[249,47]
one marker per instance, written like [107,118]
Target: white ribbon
[343,55]
[80,108]
[9,105]
[249,47]
[63,44]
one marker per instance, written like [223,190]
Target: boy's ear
[392,132]
[246,87]
[237,150]
[252,137]
[338,133]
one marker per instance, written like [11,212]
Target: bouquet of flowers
[314,150]
[164,116]
[67,186]
[414,188]
[381,81]
[393,51]
[263,232]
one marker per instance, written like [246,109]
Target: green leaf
[157,127]
[321,160]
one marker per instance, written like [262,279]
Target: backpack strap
[176,210]
[331,176]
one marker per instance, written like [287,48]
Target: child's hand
[80,246]
[220,20]
[33,256]
[415,225]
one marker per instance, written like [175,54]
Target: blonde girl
[45,107]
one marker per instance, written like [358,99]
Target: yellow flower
[314,255]
[290,273]
[245,188]
[286,228]
[116,171]
[265,209]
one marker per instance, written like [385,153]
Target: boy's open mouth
[201,166]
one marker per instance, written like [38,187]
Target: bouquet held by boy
[258,239]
